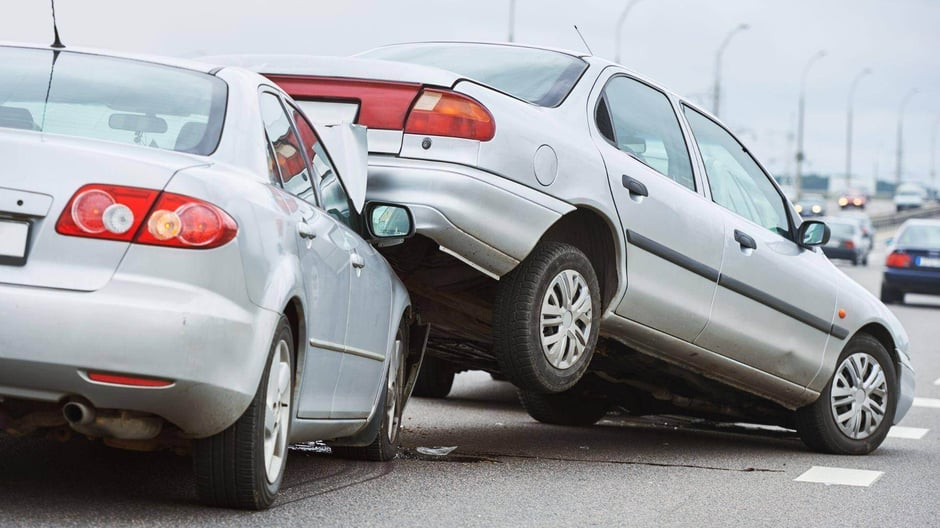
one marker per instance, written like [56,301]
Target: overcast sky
[671,41]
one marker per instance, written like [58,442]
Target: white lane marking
[932,403]
[840,476]
[911,433]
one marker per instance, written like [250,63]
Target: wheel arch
[883,335]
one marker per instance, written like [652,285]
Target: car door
[776,300]
[324,262]
[366,336]
[674,241]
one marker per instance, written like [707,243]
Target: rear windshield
[112,99]
[920,236]
[841,230]
[541,77]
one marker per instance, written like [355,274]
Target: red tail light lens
[112,212]
[898,260]
[181,221]
[106,211]
[848,244]
[133,381]
[441,113]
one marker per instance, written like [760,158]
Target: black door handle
[635,186]
[744,239]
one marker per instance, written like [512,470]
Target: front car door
[776,301]
[674,241]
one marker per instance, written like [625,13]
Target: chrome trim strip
[353,351]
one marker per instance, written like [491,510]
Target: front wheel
[243,466]
[856,409]
[546,319]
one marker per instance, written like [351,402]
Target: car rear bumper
[913,280]
[209,347]
[474,215]
[841,253]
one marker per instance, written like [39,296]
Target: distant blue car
[914,264]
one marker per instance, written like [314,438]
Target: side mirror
[389,224]
[813,233]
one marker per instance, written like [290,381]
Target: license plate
[329,113]
[13,239]
[928,262]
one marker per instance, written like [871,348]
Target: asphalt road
[510,470]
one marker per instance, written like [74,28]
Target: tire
[890,295]
[435,379]
[242,467]
[384,446]
[865,260]
[542,283]
[822,431]
[856,260]
[564,408]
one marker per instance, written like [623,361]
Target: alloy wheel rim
[277,411]
[859,396]
[566,318]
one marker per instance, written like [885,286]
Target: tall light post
[798,180]
[718,54]
[618,36]
[848,127]
[900,149]
[933,152]
[512,20]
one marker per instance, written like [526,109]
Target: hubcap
[392,414]
[277,411]
[566,319]
[859,396]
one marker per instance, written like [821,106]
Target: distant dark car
[913,266]
[853,198]
[846,241]
[811,205]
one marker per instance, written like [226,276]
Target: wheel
[890,295]
[865,260]
[243,466]
[856,409]
[434,380]
[564,408]
[547,315]
[856,260]
[384,446]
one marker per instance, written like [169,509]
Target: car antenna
[57,43]
[583,40]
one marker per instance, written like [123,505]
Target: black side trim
[838,332]
[772,302]
[672,255]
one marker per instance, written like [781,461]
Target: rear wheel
[855,411]
[891,295]
[435,379]
[546,319]
[243,466]
[564,408]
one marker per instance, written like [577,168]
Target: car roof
[156,59]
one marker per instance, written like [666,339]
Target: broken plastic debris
[436,451]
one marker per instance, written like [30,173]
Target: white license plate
[329,113]
[928,262]
[13,237]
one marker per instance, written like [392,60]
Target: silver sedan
[182,264]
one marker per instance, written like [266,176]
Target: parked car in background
[847,241]
[853,198]
[913,266]
[182,263]
[811,205]
[598,241]
[909,196]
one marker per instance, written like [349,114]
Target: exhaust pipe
[78,413]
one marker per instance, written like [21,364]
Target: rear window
[920,237]
[111,99]
[541,77]
[841,230]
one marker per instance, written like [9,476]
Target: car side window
[645,126]
[737,182]
[333,196]
[286,148]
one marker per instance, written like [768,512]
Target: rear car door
[324,262]
[776,300]
[366,337]
[674,239]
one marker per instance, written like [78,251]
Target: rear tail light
[443,113]
[122,379]
[848,244]
[145,216]
[898,259]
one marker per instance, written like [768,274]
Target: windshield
[920,236]
[112,99]
[841,231]
[539,76]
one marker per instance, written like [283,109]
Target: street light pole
[848,128]
[933,153]
[900,149]
[512,20]
[721,50]
[618,36]
[798,180]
